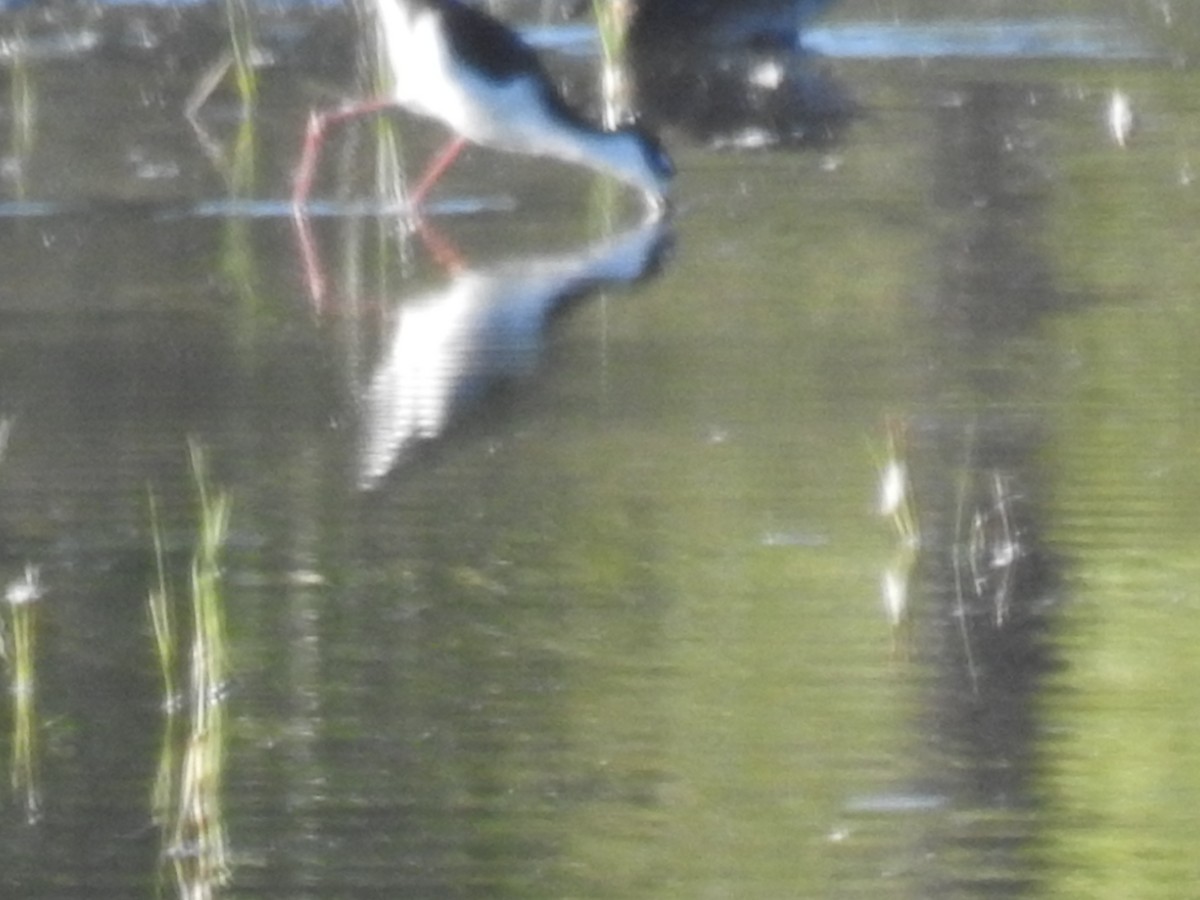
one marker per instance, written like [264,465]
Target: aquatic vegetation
[984,548]
[186,797]
[895,489]
[23,105]
[243,59]
[161,618]
[612,22]
[18,643]
[381,155]
[896,504]
[992,548]
[243,51]
[390,181]
[20,598]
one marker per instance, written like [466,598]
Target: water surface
[614,611]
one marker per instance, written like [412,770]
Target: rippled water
[555,563]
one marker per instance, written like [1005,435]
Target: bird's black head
[657,158]
[642,161]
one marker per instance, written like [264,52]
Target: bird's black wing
[493,48]
[500,53]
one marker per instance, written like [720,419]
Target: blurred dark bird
[735,72]
[758,24]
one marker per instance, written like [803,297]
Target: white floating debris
[793,539]
[893,488]
[1120,117]
[897,802]
[769,75]
[895,595]
[305,578]
[25,589]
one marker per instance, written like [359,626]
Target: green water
[615,627]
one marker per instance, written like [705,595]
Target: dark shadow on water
[736,74]
[986,586]
[725,23]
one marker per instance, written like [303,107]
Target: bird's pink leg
[319,124]
[314,274]
[444,253]
[436,169]
[314,136]
[302,178]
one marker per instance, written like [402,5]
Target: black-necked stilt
[458,65]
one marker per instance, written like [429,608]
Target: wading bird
[457,65]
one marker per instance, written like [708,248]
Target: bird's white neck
[615,153]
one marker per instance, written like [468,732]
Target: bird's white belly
[431,81]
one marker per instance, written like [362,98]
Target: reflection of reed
[988,548]
[20,597]
[235,160]
[985,550]
[22,99]
[187,796]
[243,58]
[244,51]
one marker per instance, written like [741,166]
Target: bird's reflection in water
[450,347]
